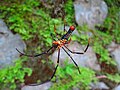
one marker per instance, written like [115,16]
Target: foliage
[68,77]
[112,3]
[104,34]
[115,78]
[100,41]
[69,9]
[109,33]
[10,75]
[17,16]
[30,20]
[113,19]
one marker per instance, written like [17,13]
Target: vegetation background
[34,21]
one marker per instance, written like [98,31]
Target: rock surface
[8,45]
[44,86]
[99,86]
[117,88]
[114,50]
[90,12]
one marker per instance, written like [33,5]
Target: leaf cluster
[9,76]
[104,34]
[115,78]
[28,18]
[69,77]
[69,9]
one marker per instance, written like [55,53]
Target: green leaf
[49,41]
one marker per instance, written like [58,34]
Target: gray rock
[114,50]
[44,86]
[90,12]
[8,45]
[88,59]
[117,88]
[75,88]
[99,85]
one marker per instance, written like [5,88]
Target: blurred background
[29,26]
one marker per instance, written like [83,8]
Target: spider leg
[57,35]
[72,59]
[36,54]
[78,52]
[65,25]
[69,41]
[52,37]
[57,63]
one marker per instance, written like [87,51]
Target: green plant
[113,20]
[115,77]
[69,10]
[110,33]
[103,36]
[68,77]
[17,13]
[11,74]
[28,20]
[100,41]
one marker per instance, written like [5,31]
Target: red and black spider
[61,43]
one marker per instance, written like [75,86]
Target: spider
[61,44]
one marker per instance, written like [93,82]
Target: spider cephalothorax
[60,43]
[64,40]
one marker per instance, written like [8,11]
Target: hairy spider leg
[65,25]
[68,41]
[72,59]
[79,52]
[55,31]
[36,54]
[57,35]
[57,63]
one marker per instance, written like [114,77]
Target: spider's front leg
[79,52]
[23,54]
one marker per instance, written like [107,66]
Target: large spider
[61,43]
